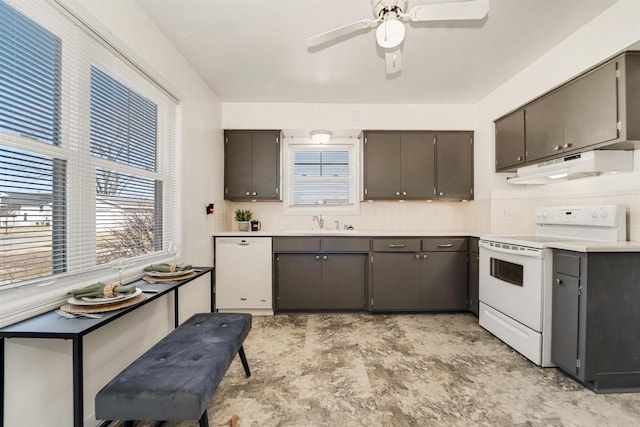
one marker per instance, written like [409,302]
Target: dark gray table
[48,325]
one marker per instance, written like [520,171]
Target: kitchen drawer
[445,244]
[567,264]
[296,244]
[396,245]
[345,244]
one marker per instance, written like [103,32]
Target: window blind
[90,152]
[320,177]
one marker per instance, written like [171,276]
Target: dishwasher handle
[243,243]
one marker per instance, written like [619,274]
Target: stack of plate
[101,304]
[159,276]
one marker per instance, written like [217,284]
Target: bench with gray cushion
[176,378]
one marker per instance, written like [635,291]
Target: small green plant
[244,214]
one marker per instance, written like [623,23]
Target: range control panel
[586,215]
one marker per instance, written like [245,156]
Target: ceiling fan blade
[462,10]
[393,59]
[342,31]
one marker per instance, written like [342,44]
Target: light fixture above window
[321,136]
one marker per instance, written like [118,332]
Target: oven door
[511,281]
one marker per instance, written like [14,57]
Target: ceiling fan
[390,32]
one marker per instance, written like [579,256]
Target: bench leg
[243,358]
[204,420]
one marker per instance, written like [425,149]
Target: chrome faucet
[320,221]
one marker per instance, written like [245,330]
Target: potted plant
[243,216]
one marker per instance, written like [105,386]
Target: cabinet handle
[325,257]
[255,194]
[404,193]
[417,256]
[317,256]
[242,299]
[519,158]
[567,145]
[247,193]
[425,256]
[397,193]
[557,147]
[446,245]
[441,193]
[559,281]
[396,245]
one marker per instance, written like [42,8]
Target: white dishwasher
[243,274]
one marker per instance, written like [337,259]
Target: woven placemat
[79,309]
[150,279]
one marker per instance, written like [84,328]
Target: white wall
[511,206]
[38,372]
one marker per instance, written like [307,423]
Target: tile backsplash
[498,215]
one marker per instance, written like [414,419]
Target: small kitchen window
[321,178]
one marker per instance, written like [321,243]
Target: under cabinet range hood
[590,163]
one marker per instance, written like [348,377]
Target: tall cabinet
[252,164]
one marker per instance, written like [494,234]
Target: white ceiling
[255,50]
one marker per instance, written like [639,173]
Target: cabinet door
[474,277]
[237,165]
[298,279]
[544,126]
[396,281]
[592,113]
[510,141]
[443,282]
[564,323]
[343,281]
[382,165]
[417,166]
[454,165]
[265,165]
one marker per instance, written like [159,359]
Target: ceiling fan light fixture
[320,136]
[390,33]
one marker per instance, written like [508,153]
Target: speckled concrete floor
[400,370]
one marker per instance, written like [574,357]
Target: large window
[89,158]
[321,178]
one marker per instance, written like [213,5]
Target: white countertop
[587,246]
[346,233]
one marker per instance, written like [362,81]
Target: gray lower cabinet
[474,276]
[395,282]
[320,274]
[595,318]
[419,274]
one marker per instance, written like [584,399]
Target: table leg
[1,382]
[175,308]
[213,291]
[78,388]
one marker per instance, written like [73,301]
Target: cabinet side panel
[632,80]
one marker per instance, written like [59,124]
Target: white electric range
[516,270]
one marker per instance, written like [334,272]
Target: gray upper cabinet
[596,110]
[544,127]
[406,165]
[510,149]
[591,114]
[398,165]
[252,165]
[454,165]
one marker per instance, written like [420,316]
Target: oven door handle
[533,253]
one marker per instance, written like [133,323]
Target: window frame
[22,300]
[351,145]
